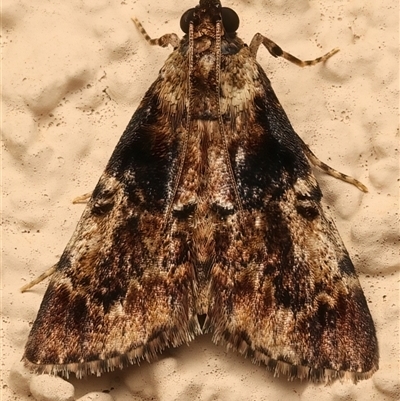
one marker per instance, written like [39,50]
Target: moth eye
[230,19]
[185,20]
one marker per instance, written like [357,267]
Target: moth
[207,218]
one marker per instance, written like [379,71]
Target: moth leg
[165,40]
[329,170]
[276,51]
[82,199]
[37,280]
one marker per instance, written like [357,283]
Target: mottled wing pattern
[208,206]
[123,289]
[283,288]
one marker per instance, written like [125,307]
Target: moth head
[211,11]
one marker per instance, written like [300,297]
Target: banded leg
[276,51]
[165,40]
[329,170]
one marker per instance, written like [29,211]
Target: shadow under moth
[207,218]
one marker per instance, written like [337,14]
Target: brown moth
[208,208]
